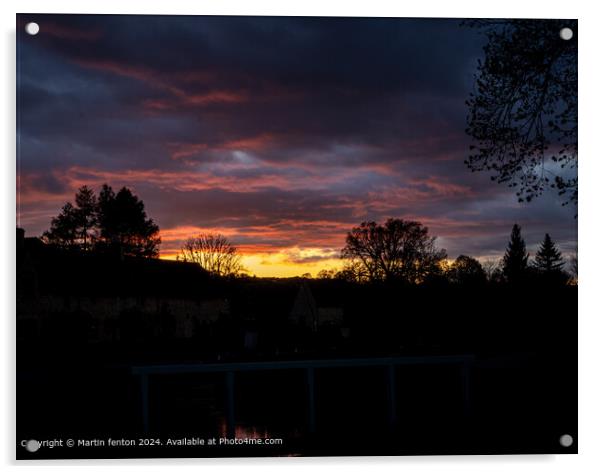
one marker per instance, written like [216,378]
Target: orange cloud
[320,235]
[184,150]
[443,188]
[416,192]
[156,104]
[184,180]
[256,143]
[169,83]
[213,97]
[127,70]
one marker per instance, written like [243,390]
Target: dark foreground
[519,400]
[132,362]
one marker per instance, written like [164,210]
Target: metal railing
[466,363]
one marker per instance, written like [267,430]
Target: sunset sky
[281,133]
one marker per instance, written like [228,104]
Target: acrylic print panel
[267,236]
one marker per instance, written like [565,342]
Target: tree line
[396,251]
[403,251]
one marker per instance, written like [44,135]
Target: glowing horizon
[277,265]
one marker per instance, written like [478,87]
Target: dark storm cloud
[286,130]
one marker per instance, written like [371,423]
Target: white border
[590,229]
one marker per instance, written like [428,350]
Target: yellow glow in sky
[285,263]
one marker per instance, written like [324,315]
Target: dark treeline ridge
[397,250]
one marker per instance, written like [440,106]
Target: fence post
[311,412]
[466,387]
[230,420]
[392,395]
[144,397]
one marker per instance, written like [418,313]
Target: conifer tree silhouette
[516,257]
[548,258]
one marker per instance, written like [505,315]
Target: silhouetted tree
[466,271]
[63,228]
[493,270]
[327,274]
[523,113]
[114,221]
[213,252]
[86,214]
[575,265]
[398,250]
[73,227]
[124,225]
[574,268]
[516,258]
[548,259]
[352,271]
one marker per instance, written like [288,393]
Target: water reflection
[243,431]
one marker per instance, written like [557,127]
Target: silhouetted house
[259,309]
[316,308]
[106,298]
[305,311]
[251,339]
